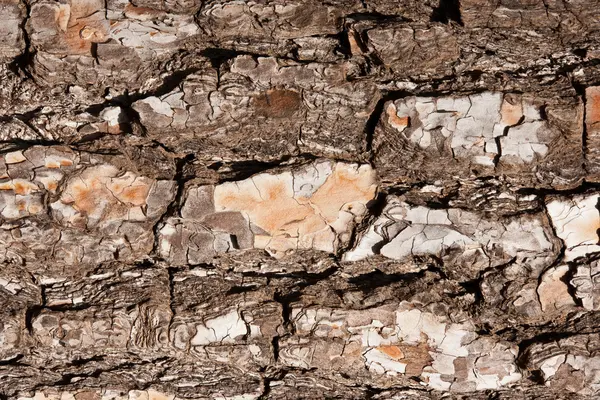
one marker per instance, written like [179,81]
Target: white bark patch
[406,340]
[223,329]
[404,231]
[576,221]
[475,126]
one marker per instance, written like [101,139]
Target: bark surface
[299,199]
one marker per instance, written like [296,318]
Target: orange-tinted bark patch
[20,187]
[85,195]
[511,110]
[392,351]
[399,123]
[135,195]
[276,191]
[86,25]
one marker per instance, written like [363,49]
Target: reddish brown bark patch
[277,103]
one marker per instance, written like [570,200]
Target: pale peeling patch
[474,126]
[226,328]
[158,106]
[69,28]
[55,161]
[121,206]
[576,221]
[384,359]
[19,186]
[399,123]
[20,198]
[10,286]
[113,117]
[150,36]
[14,157]
[457,236]
[553,292]
[314,208]
[403,340]
[99,195]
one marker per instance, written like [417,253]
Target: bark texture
[299,199]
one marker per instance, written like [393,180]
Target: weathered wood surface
[300,199]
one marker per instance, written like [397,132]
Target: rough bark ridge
[299,199]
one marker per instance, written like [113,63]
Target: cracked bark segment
[313,207]
[239,22]
[12,42]
[264,106]
[395,343]
[553,290]
[239,313]
[94,394]
[576,221]
[180,380]
[86,40]
[585,281]
[59,123]
[308,385]
[51,195]
[305,30]
[414,50]
[468,241]
[492,195]
[480,134]
[142,7]
[150,311]
[570,363]
[569,19]
[113,394]
[592,122]
[71,334]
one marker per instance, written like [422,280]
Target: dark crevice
[376,16]
[447,10]
[285,299]
[171,272]
[580,90]
[83,361]
[173,208]
[368,282]
[20,64]
[376,115]
[12,360]
[239,170]
[241,289]
[581,53]
[33,311]
[125,100]
[305,278]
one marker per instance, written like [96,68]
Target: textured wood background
[299,199]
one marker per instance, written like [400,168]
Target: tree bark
[299,199]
